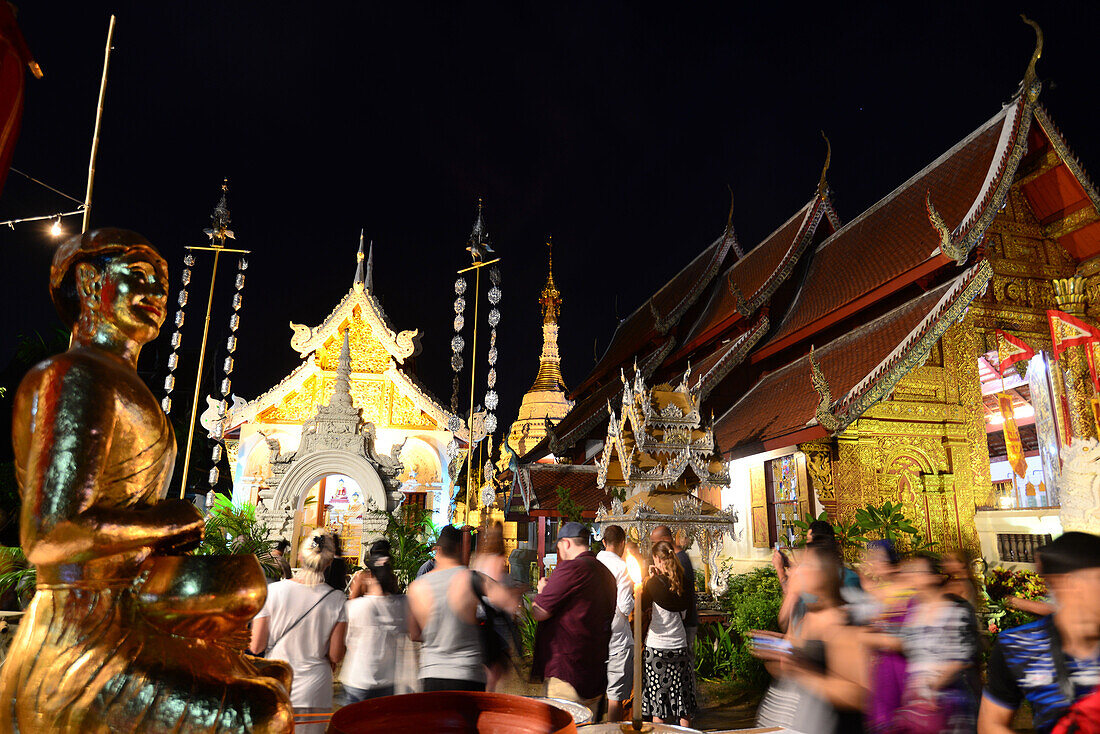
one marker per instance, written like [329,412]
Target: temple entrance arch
[306,472]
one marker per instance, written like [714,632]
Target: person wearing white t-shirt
[620,660]
[304,623]
[377,620]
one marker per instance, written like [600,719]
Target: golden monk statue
[121,636]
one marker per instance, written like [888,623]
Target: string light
[55,228]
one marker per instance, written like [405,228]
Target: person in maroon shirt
[574,608]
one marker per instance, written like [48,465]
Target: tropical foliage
[888,522]
[848,535]
[716,653]
[16,574]
[412,536]
[233,530]
[567,506]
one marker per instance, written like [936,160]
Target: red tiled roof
[579,481]
[894,236]
[715,366]
[784,401]
[752,273]
[669,303]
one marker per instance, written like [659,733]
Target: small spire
[822,184]
[370,266]
[551,296]
[360,278]
[341,395]
[478,243]
[219,231]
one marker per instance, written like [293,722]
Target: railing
[1020,547]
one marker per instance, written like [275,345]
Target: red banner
[1069,331]
[1010,350]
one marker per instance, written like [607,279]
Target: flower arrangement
[1002,583]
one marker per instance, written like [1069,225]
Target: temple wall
[925,446]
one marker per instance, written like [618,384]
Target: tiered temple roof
[873,295]
[381,384]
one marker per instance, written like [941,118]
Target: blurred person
[304,623]
[889,604]
[795,599]
[278,552]
[377,619]
[668,693]
[443,616]
[489,560]
[620,654]
[379,549]
[337,574]
[820,667]
[574,609]
[1053,662]
[960,577]
[691,620]
[939,639]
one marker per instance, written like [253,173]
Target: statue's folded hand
[183,526]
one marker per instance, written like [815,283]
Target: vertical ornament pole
[218,233]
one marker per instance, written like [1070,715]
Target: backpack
[1083,716]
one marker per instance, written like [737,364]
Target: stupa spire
[545,403]
[341,396]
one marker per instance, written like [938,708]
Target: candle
[635,570]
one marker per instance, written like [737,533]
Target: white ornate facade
[400,419]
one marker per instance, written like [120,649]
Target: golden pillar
[1070,296]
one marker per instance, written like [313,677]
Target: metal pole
[98,120]
[473,370]
[198,377]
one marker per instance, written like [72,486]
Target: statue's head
[111,276]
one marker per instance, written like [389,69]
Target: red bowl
[452,712]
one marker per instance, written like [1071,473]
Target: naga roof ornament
[823,414]
[823,184]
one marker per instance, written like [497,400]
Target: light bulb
[55,228]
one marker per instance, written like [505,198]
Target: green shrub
[752,601]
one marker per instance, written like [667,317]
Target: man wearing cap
[574,608]
[1053,662]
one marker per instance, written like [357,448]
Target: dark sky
[614,126]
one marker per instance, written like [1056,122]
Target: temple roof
[749,283]
[893,244]
[662,311]
[579,481]
[861,366]
[384,348]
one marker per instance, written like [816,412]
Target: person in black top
[336,575]
[1054,661]
[691,621]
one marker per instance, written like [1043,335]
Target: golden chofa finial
[822,184]
[1031,82]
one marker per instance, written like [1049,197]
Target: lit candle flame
[633,568]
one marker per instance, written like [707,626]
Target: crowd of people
[897,648]
[464,619]
[892,646]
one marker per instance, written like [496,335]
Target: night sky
[613,126]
